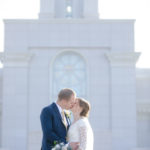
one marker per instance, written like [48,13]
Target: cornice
[15,59]
[122,58]
[63,20]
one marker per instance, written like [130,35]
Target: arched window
[69,71]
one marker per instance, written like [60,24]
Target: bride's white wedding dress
[81,131]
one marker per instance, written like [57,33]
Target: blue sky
[108,9]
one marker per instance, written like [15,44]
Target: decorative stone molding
[143,111]
[15,59]
[62,21]
[120,59]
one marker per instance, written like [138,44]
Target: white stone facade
[143,107]
[94,57]
[110,67]
[1,91]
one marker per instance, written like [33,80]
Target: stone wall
[0,102]
[143,107]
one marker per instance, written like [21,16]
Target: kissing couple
[59,133]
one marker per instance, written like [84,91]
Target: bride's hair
[85,105]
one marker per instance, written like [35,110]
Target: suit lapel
[57,111]
[58,114]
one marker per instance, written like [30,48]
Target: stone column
[47,9]
[123,99]
[15,100]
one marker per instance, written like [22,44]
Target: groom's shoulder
[48,108]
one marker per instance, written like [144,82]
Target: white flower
[68,113]
[64,148]
[57,146]
[61,144]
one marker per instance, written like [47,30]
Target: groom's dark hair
[65,94]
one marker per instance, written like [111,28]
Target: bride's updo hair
[85,105]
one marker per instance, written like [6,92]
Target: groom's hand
[74,145]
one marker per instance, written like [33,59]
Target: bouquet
[61,146]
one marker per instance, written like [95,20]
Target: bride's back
[81,131]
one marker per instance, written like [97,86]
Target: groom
[55,122]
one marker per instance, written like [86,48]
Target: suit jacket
[52,127]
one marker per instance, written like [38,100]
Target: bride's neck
[76,117]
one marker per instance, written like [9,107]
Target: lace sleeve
[83,138]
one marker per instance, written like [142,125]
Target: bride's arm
[83,138]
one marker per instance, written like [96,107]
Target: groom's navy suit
[52,127]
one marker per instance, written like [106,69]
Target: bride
[55,123]
[80,130]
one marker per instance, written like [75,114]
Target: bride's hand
[74,145]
